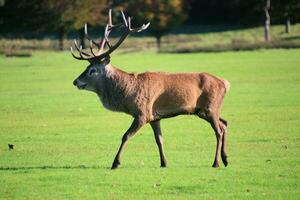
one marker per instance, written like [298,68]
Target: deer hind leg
[214,121]
[223,127]
[159,141]
[135,126]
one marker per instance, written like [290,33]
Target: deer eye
[92,71]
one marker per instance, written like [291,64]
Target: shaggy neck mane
[116,86]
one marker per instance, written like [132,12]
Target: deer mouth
[81,87]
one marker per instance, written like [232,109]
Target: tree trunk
[267,30]
[61,34]
[81,37]
[267,21]
[287,25]
[158,41]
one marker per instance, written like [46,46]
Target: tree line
[63,16]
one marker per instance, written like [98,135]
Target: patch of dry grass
[244,39]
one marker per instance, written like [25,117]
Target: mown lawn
[65,141]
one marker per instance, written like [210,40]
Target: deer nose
[75,82]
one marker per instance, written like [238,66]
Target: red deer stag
[151,96]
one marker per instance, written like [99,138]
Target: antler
[100,54]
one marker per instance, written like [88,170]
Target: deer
[150,97]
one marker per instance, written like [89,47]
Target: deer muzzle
[80,85]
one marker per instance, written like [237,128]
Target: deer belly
[175,103]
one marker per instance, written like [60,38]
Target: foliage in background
[59,16]
[163,15]
[247,12]
[283,9]
[287,11]
[68,15]
[29,18]
[81,12]
[22,16]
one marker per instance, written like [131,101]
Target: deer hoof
[215,165]
[225,162]
[115,165]
[163,165]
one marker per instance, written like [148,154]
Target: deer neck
[116,87]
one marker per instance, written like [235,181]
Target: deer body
[157,95]
[151,96]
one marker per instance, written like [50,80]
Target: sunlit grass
[65,141]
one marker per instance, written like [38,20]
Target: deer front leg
[135,126]
[159,141]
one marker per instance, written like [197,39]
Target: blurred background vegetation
[176,25]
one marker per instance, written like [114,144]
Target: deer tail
[226,84]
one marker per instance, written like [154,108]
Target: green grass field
[65,141]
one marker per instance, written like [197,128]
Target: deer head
[100,59]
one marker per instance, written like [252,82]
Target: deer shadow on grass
[47,167]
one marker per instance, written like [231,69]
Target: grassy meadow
[65,141]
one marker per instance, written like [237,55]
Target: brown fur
[151,96]
[155,95]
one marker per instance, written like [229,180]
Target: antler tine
[76,57]
[110,24]
[106,31]
[108,43]
[80,49]
[83,54]
[88,37]
[104,39]
[144,27]
[91,48]
[80,57]
[139,29]
[109,18]
[76,45]
[106,34]
[102,43]
[124,19]
[100,54]
[127,24]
